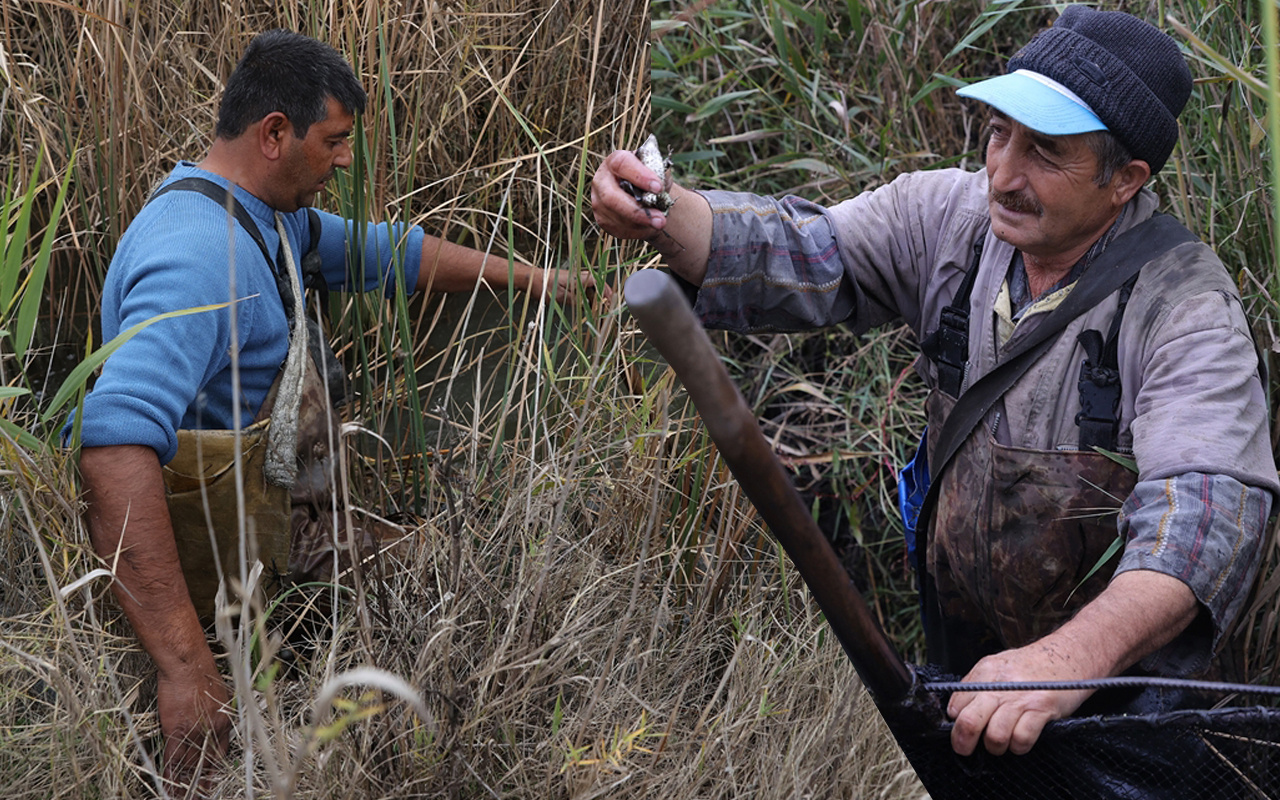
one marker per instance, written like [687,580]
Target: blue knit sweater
[179,253]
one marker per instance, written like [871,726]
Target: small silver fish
[651,156]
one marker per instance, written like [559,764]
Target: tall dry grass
[582,604]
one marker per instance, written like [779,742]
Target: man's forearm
[129,525]
[130,530]
[685,240]
[1138,613]
[449,267]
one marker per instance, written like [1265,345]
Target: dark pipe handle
[665,317]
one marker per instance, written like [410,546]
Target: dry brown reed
[582,605]
[132,88]
[562,647]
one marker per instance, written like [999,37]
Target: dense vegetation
[583,604]
[825,100]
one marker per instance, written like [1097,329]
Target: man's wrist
[665,244]
[194,667]
[684,240]
[524,278]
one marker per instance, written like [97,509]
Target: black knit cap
[1129,72]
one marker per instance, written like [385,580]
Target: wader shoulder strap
[222,197]
[311,278]
[312,274]
[948,346]
[1099,382]
[1117,264]
[335,376]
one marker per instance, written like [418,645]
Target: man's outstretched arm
[1139,612]
[449,267]
[130,529]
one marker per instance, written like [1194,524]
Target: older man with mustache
[1133,340]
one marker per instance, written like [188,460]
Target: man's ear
[272,130]
[1129,179]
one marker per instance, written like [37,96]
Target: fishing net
[1223,753]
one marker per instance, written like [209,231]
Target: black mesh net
[1223,753]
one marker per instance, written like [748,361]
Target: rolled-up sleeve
[1206,531]
[774,265]
[380,247]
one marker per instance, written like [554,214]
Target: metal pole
[665,317]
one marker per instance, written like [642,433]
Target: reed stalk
[583,603]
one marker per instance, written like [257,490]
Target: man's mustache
[1016,202]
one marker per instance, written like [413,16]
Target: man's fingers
[616,210]
[958,702]
[197,728]
[189,763]
[624,166]
[971,721]
[1014,727]
[567,287]
[1000,727]
[599,287]
[619,213]
[562,285]
[1005,722]
[1027,731]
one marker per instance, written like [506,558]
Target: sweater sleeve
[773,265]
[892,252]
[1206,531]
[374,251]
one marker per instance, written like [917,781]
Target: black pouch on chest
[1099,383]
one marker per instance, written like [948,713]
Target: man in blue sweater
[283,130]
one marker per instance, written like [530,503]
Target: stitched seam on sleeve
[1162,530]
[1235,549]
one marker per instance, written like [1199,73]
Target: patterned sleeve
[1207,531]
[774,265]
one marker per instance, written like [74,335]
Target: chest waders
[293,524]
[1012,534]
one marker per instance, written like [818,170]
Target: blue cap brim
[1033,104]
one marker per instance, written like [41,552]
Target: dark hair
[290,73]
[1111,153]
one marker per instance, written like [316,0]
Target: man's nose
[1007,173]
[342,157]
